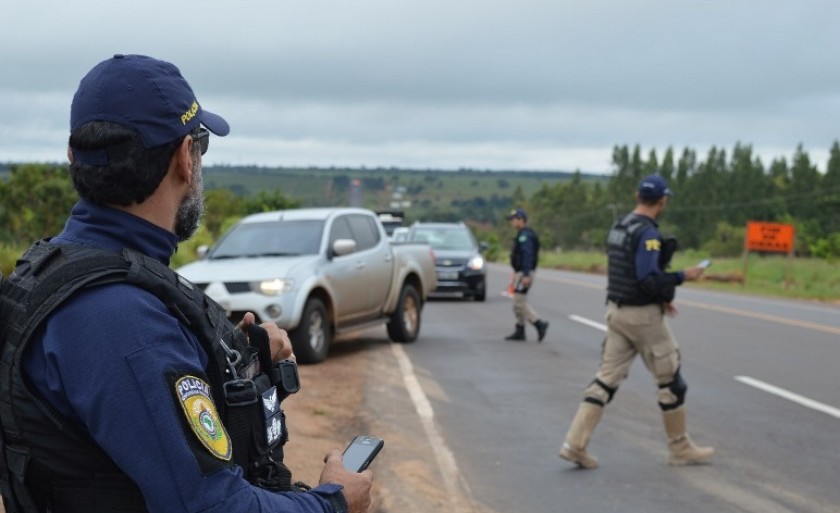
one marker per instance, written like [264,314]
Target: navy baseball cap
[653,187]
[517,212]
[146,94]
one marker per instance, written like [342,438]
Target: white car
[317,273]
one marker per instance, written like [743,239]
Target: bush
[728,241]
[827,248]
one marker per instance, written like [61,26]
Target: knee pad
[598,393]
[672,395]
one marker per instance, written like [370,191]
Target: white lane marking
[790,396]
[591,324]
[832,330]
[445,459]
[767,387]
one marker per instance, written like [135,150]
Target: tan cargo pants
[521,309]
[633,330]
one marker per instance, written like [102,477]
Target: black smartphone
[361,451]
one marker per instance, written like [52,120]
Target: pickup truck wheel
[311,339]
[404,325]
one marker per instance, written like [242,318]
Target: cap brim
[215,123]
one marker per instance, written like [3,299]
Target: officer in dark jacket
[524,255]
[639,295]
[115,401]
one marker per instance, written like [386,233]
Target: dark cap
[653,187]
[517,212]
[143,93]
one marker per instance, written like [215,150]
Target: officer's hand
[356,484]
[278,339]
[692,273]
[670,310]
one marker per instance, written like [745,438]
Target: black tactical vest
[622,241]
[47,463]
[516,253]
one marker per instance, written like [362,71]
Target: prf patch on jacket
[653,245]
[194,396]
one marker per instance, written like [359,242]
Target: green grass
[766,275]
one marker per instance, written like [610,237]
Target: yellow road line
[723,309]
[764,317]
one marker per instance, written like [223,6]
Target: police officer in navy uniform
[523,258]
[640,294]
[122,396]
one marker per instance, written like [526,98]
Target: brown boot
[577,438]
[682,449]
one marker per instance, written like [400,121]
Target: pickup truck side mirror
[483,245]
[201,251]
[343,247]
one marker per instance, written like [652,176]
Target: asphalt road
[763,390]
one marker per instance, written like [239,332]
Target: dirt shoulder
[359,389]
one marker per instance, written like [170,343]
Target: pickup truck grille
[450,263]
[238,287]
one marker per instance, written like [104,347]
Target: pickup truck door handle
[360,265]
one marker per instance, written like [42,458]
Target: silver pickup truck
[317,273]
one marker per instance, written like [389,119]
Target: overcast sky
[446,84]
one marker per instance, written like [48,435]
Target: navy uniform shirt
[101,361]
[647,255]
[524,251]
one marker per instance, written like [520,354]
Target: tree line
[714,198]
[35,200]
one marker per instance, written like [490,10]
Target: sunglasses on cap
[202,137]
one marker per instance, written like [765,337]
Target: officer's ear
[182,160]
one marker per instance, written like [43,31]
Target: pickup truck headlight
[476,263]
[273,287]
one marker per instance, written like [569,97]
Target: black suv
[460,266]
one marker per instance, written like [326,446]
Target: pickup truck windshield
[275,238]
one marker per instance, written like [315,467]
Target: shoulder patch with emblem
[194,397]
[653,245]
[523,238]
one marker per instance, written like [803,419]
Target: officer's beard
[188,217]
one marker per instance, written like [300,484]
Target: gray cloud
[494,83]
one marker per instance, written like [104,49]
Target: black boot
[542,327]
[519,334]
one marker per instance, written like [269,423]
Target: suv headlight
[273,287]
[476,263]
